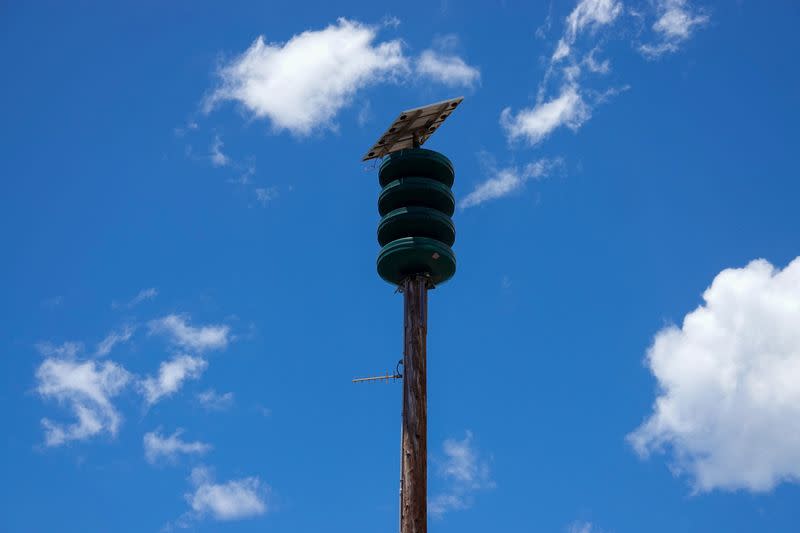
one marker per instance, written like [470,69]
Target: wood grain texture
[414,455]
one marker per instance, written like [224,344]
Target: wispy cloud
[464,473]
[65,350]
[171,375]
[676,22]
[143,295]
[87,388]
[505,181]
[214,401]
[448,69]
[390,21]
[105,346]
[218,158]
[52,302]
[203,338]
[571,106]
[180,131]
[159,447]
[582,527]
[587,15]
[245,176]
[265,195]
[563,97]
[441,64]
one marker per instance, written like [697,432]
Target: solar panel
[412,128]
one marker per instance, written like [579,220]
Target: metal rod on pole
[414,483]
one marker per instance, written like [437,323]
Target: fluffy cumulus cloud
[159,447]
[203,338]
[464,473]
[87,388]
[302,84]
[728,406]
[171,375]
[505,181]
[232,500]
[447,69]
[676,22]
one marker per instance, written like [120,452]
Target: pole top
[412,128]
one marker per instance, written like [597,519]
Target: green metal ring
[416,255]
[416,192]
[417,162]
[416,222]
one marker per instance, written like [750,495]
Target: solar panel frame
[412,128]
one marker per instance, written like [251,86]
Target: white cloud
[599,67]
[534,124]
[266,195]
[105,346]
[302,84]
[180,131]
[582,527]
[464,472]
[573,104]
[142,296]
[52,302]
[592,14]
[218,159]
[728,406]
[65,350]
[569,108]
[390,21]
[157,446]
[171,375]
[450,70]
[214,401]
[233,500]
[562,51]
[677,20]
[246,177]
[589,14]
[87,388]
[364,114]
[504,181]
[196,338]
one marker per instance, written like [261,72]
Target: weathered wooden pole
[414,482]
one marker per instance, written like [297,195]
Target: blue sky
[189,282]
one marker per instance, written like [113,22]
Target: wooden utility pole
[415,233]
[414,481]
